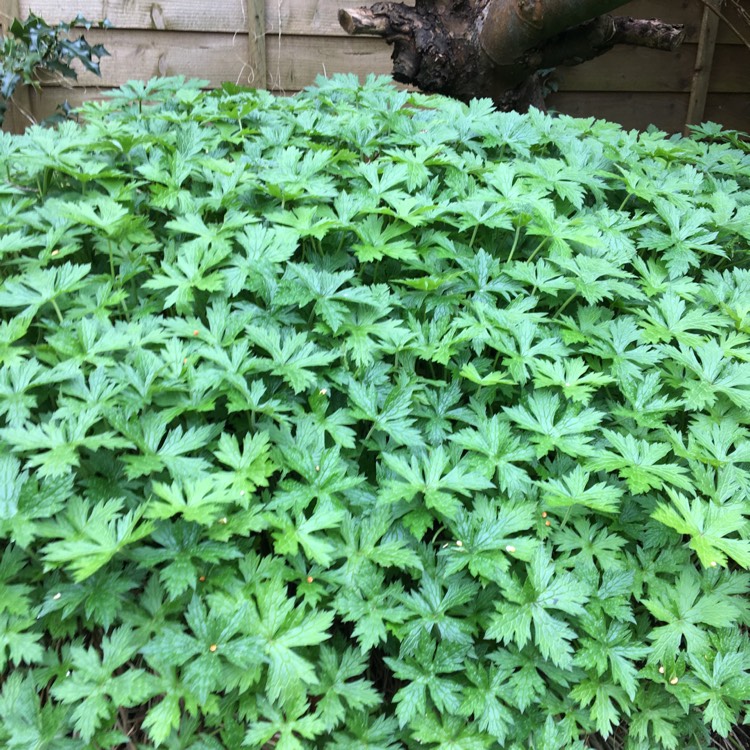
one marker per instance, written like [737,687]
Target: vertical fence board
[704,58]
[256,43]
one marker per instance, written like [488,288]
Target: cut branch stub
[362,21]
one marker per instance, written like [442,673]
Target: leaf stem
[537,249]
[111,260]
[473,236]
[565,304]
[57,309]
[515,244]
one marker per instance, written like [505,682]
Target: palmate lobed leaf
[368,419]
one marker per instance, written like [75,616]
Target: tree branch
[363,21]
[597,36]
[457,47]
[652,33]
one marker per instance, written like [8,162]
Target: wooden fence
[284,44]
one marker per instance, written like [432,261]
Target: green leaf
[709,527]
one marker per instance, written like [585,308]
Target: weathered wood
[159,15]
[294,62]
[145,54]
[630,69]
[256,74]
[631,109]
[637,69]
[303,17]
[731,110]
[704,58]
[738,30]
[638,110]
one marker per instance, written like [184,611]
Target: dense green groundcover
[363,419]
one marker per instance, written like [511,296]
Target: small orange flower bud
[202,578]
[212,647]
[547,523]
[544,514]
[309,579]
[196,332]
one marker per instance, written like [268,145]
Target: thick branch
[595,37]
[511,28]
[652,33]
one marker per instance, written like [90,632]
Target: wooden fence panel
[303,17]
[285,44]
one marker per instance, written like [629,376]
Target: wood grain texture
[144,54]
[636,69]
[158,15]
[304,17]
[631,110]
[293,62]
[704,59]
[666,111]
[256,42]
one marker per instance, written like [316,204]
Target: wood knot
[157,17]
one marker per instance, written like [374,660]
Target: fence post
[256,43]
[704,58]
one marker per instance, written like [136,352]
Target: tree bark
[495,48]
